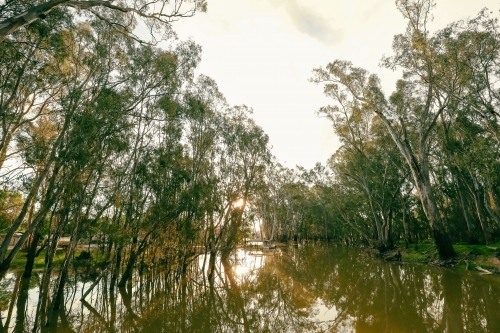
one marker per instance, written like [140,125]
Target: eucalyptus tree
[296,204]
[154,147]
[352,216]
[468,155]
[302,209]
[99,76]
[80,201]
[328,208]
[100,133]
[411,113]
[468,53]
[368,161]
[228,156]
[81,80]
[31,76]
[33,47]
[379,180]
[241,168]
[312,200]
[34,143]
[120,140]
[201,198]
[278,214]
[97,131]
[151,199]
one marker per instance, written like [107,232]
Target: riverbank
[20,261]
[484,259]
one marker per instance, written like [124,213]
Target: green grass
[476,255]
[420,253]
[485,250]
[20,261]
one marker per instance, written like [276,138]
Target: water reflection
[311,289]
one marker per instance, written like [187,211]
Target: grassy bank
[20,261]
[480,258]
[469,257]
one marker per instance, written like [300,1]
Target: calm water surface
[306,289]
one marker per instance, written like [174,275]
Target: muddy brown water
[317,288]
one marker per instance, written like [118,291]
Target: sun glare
[238,203]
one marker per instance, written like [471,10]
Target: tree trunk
[132,260]
[465,211]
[116,270]
[30,258]
[381,226]
[49,196]
[477,194]
[22,300]
[489,207]
[406,224]
[127,274]
[44,288]
[440,234]
[420,173]
[59,293]
[13,297]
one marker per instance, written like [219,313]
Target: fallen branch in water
[465,260]
[484,271]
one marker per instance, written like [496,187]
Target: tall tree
[411,113]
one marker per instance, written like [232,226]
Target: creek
[313,288]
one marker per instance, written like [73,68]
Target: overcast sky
[261,53]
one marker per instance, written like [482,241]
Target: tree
[410,114]
[246,146]
[369,162]
[33,71]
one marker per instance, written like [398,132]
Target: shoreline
[480,259]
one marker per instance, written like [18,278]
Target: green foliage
[10,204]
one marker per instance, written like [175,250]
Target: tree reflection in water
[308,289]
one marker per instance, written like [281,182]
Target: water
[306,289]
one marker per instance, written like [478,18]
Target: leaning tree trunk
[31,255]
[406,223]
[127,273]
[465,211]
[116,269]
[419,166]
[440,234]
[57,298]
[44,288]
[381,226]
[488,197]
[477,194]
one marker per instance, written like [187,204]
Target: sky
[261,53]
